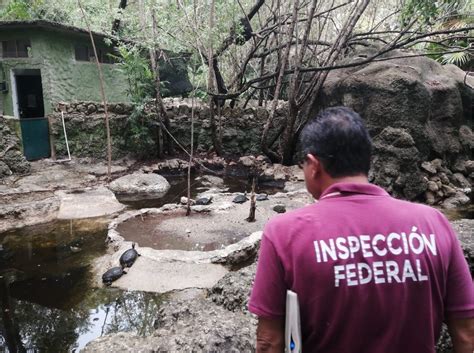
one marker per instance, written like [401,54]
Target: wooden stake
[253,204]
[188,209]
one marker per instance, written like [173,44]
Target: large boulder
[233,290]
[418,94]
[195,325]
[416,110]
[140,185]
[395,164]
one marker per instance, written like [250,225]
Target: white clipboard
[292,324]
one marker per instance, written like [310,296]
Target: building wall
[63,78]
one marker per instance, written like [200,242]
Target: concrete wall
[64,78]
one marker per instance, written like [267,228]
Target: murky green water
[179,187]
[46,299]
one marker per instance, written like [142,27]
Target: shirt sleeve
[268,298]
[460,287]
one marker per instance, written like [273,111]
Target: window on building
[82,53]
[15,48]
[86,53]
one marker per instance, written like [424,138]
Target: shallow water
[46,299]
[179,187]
[203,232]
[460,213]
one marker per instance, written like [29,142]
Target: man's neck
[360,179]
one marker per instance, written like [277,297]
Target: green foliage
[460,59]
[132,63]
[22,10]
[139,134]
[427,11]
[16,10]
[442,15]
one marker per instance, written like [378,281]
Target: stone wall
[85,124]
[12,160]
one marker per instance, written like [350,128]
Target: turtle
[204,200]
[128,257]
[112,275]
[240,198]
[261,197]
[279,208]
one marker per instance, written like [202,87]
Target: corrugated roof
[49,25]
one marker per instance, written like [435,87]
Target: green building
[43,63]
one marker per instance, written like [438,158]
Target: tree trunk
[117,22]
[253,203]
[211,86]
[160,109]
[278,86]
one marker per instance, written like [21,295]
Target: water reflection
[46,299]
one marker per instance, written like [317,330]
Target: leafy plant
[33,9]
[135,66]
[16,10]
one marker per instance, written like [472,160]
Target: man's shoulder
[417,208]
[281,228]
[287,218]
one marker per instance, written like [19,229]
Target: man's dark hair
[338,137]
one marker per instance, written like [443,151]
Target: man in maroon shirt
[373,274]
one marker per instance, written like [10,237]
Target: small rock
[457,200]
[430,198]
[279,208]
[247,161]
[437,163]
[444,178]
[427,166]
[469,167]
[91,108]
[460,165]
[432,186]
[461,180]
[81,108]
[184,201]
[448,190]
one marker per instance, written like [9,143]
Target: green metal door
[35,135]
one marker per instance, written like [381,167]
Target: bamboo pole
[102,92]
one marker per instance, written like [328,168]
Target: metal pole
[65,136]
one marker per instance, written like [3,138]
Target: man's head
[335,145]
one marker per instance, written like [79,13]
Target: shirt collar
[355,188]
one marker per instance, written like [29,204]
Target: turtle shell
[240,199]
[112,275]
[128,257]
[204,201]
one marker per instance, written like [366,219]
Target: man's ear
[313,164]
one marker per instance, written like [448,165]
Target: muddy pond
[47,300]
